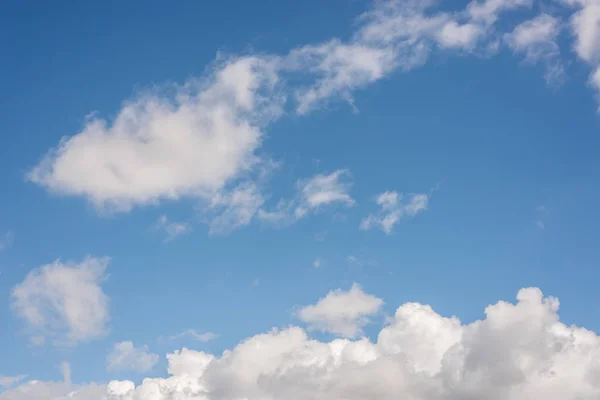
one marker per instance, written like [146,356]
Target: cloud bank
[519,351]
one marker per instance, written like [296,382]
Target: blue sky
[236,162]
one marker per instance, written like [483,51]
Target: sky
[342,199]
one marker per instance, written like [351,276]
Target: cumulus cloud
[126,357]
[585,25]
[519,351]
[340,312]
[189,143]
[313,194]
[393,208]
[536,39]
[64,301]
[171,229]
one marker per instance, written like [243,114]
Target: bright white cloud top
[342,313]
[519,351]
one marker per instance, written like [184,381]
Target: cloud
[189,143]
[202,139]
[313,194]
[8,381]
[126,357]
[595,82]
[360,262]
[393,35]
[171,229]
[236,208]
[317,263]
[343,313]
[6,241]
[64,301]
[541,212]
[393,210]
[65,369]
[519,351]
[489,10]
[191,333]
[536,39]
[585,25]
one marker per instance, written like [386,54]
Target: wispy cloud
[318,262]
[359,261]
[126,357]
[193,334]
[313,194]
[64,301]
[171,229]
[6,241]
[394,207]
[537,40]
[541,213]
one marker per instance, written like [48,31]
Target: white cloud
[393,209]
[317,263]
[488,11]
[343,313]
[321,190]
[341,67]
[518,351]
[8,381]
[126,357]
[536,39]
[394,34]
[585,24]
[595,82]
[191,143]
[171,229]
[453,35]
[313,194]
[65,370]
[360,262]
[237,208]
[191,333]
[64,301]
[6,241]
[203,138]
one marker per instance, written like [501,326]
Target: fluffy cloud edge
[519,351]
